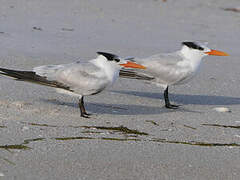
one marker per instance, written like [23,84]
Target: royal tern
[173,68]
[77,79]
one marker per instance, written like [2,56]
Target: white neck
[192,56]
[110,69]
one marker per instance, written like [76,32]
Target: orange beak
[217,53]
[130,64]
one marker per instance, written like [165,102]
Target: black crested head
[193,45]
[109,56]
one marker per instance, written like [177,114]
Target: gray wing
[32,77]
[164,68]
[159,61]
[82,78]
[131,74]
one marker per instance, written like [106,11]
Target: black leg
[167,102]
[83,112]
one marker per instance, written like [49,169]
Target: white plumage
[76,79]
[175,68]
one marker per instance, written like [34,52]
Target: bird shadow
[118,109]
[187,99]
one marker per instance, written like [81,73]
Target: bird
[167,69]
[77,79]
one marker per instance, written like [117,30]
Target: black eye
[117,60]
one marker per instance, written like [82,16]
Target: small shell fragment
[222,109]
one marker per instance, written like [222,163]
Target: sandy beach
[131,135]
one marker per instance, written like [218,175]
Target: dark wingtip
[109,56]
[32,77]
[192,45]
[133,75]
